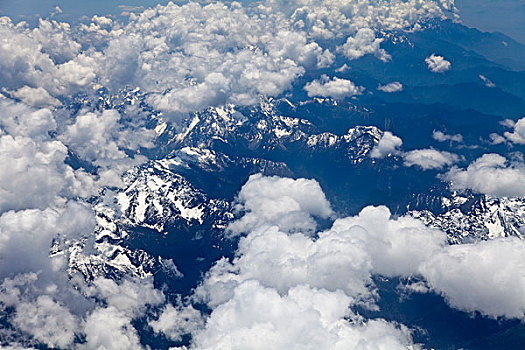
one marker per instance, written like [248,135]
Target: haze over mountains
[328,174]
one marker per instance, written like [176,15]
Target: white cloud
[496,139]
[194,56]
[33,173]
[437,64]
[38,227]
[109,328]
[177,321]
[303,318]
[490,174]
[129,296]
[47,321]
[486,276]
[99,138]
[389,144]
[273,267]
[518,134]
[337,88]
[293,275]
[341,258]
[442,137]
[38,97]
[430,158]
[33,283]
[338,18]
[44,57]
[280,201]
[18,119]
[391,87]
[364,42]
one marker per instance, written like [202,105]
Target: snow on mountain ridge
[482,218]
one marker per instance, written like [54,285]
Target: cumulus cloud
[100,139]
[391,87]
[337,88]
[437,64]
[486,276]
[490,174]
[47,321]
[364,42]
[274,267]
[389,144]
[44,57]
[518,134]
[38,97]
[341,258]
[185,58]
[293,274]
[109,328]
[33,283]
[280,201]
[34,174]
[337,19]
[18,119]
[430,158]
[194,56]
[38,227]
[176,321]
[442,137]
[303,318]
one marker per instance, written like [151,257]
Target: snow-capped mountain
[471,218]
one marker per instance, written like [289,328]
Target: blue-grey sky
[507,16]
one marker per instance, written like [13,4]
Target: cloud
[280,201]
[486,276]
[429,158]
[274,267]
[102,140]
[303,318]
[341,258]
[36,97]
[437,64]
[109,328]
[336,87]
[33,174]
[177,321]
[44,57]
[391,87]
[34,284]
[311,284]
[364,42]
[442,137]
[496,139]
[325,20]
[38,227]
[129,296]
[518,134]
[47,321]
[193,56]
[490,174]
[389,144]
[18,119]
